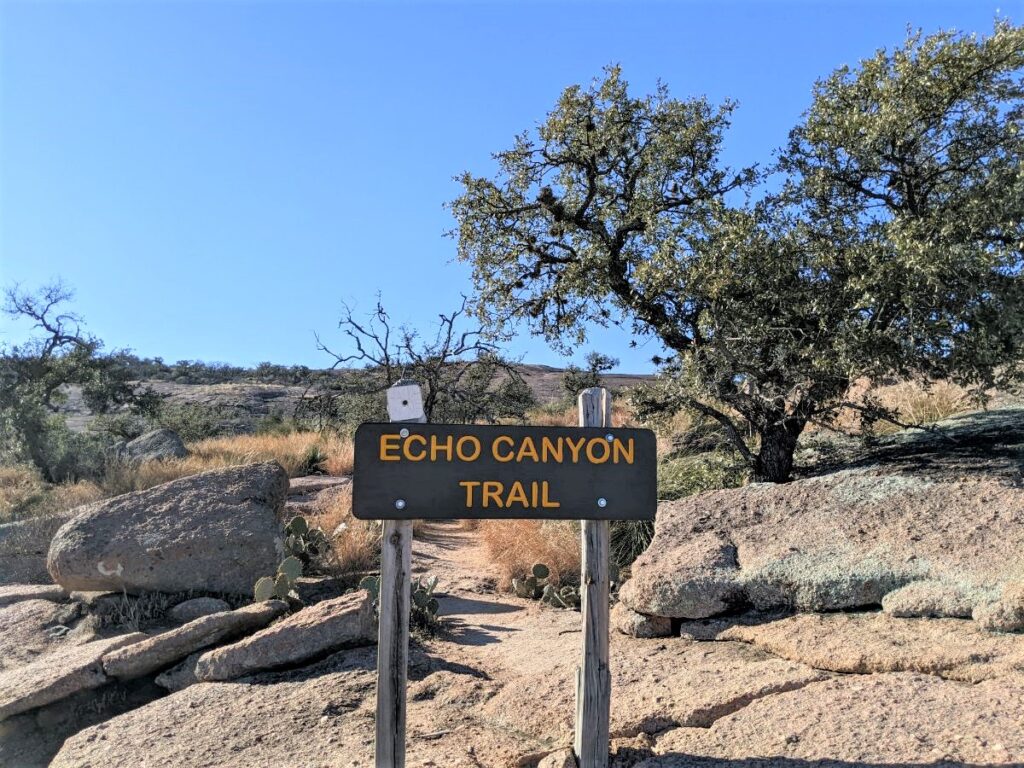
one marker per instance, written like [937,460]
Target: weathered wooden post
[405,404]
[593,680]
[406,471]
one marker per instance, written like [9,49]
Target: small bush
[628,539]
[192,421]
[678,478]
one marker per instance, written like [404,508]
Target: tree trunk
[774,461]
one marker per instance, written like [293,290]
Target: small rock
[563,758]
[216,531]
[153,653]
[196,608]
[629,622]
[345,620]
[692,578]
[158,445]
[13,593]
[58,676]
[181,675]
[300,486]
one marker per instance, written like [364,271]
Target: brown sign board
[410,471]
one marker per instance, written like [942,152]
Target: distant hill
[248,400]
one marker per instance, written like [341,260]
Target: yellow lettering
[516,495]
[408,454]
[388,443]
[469,485]
[575,449]
[473,442]
[606,450]
[492,491]
[552,449]
[545,501]
[625,451]
[437,447]
[527,448]
[494,448]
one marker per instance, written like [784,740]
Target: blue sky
[213,179]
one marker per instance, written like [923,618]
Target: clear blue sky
[214,178]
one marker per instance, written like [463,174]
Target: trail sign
[406,471]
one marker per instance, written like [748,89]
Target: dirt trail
[495,633]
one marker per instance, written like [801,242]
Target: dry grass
[568,416]
[515,545]
[355,544]
[914,402]
[298,452]
[23,494]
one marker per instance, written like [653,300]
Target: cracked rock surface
[948,515]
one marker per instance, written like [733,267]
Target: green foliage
[191,421]
[893,247]
[305,543]
[423,606]
[687,475]
[535,586]
[576,379]
[282,584]
[628,539]
[34,377]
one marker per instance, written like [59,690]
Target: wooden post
[593,680]
[405,403]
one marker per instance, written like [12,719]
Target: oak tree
[891,246]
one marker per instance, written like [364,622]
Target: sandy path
[496,633]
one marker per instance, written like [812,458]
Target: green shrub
[628,539]
[685,476]
[191,421]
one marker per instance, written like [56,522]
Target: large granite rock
[30,629]
[13,593]
[683,576]
[326,626]
[878,720]
[843,540]
[157,652]
[871,643]
[157,445]
[216,531]
[655,685]
[57,676]
[1005,614]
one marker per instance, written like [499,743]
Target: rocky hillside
[246,402]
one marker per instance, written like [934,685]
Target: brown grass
[296,452]
[23,494]
[915,402]
[568,416]
[355,544]
[515,545]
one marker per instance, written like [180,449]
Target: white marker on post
[405,403]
